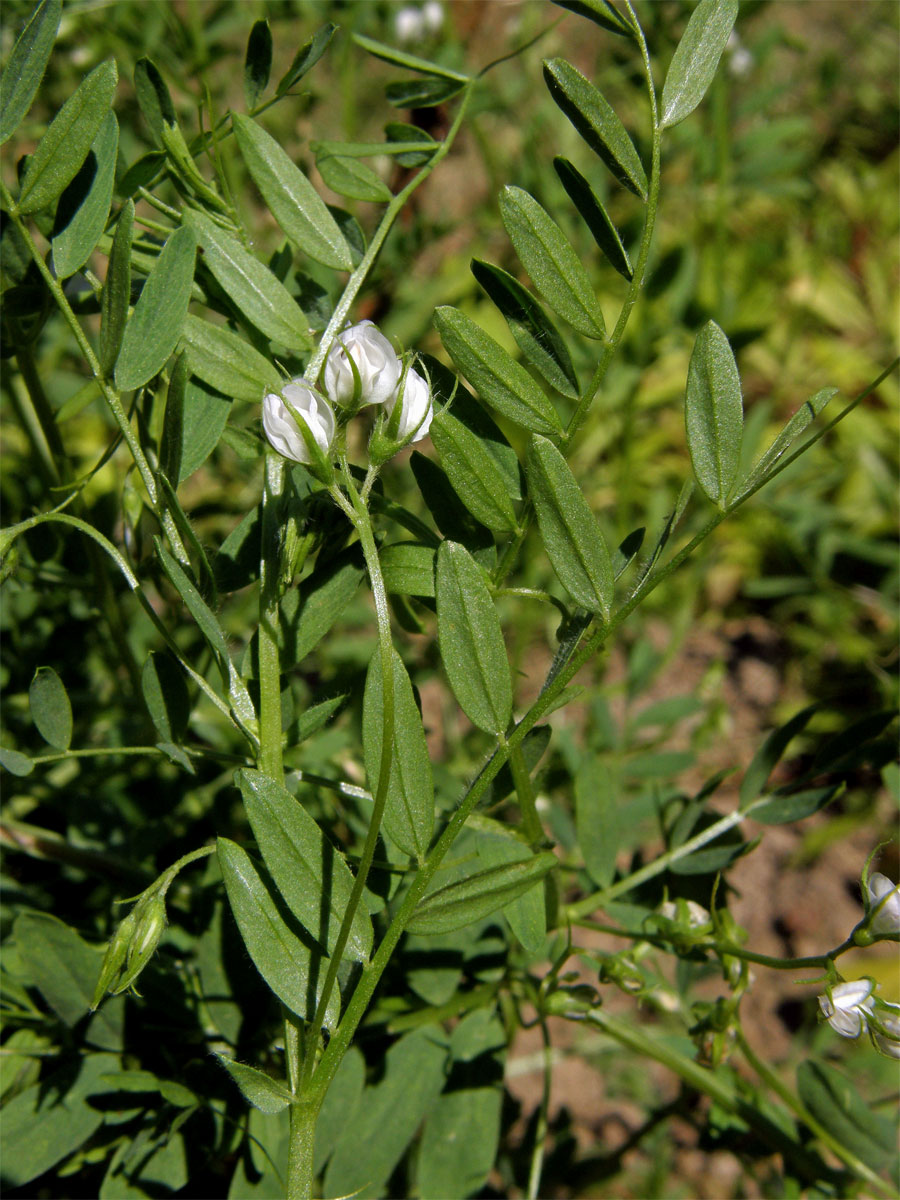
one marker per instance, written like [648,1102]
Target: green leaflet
[257,62]
[536,335]
[597,819]
[347,176]
[548,257]
[465,1117]
[306,58]
[155,326]
[84,205]
[412,62]
[51,710]
[834,1101]
[409,810]
[196,416]
[408,568]
[254,291]
[501,382]
[473,473]
[601,12]
[460,904]
[713,413]
[166,695]
[597,123]
[293,968]
[116,296]
[65,145]
[574,543]
[527,913]
[294,202]
[262,1091]
[696,59]
[594,216]
[802,419]
[228,363]
[312,877]
[26,65]
[471,641]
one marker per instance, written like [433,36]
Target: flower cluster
[362,368]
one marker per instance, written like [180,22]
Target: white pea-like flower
[281,426]
[377,367]
[884,903]
[433,16]
[416,407]
[409,24]
[846,1006]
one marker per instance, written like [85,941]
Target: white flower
[377,366]
[433,15]
[281,426]
[887,1035]
[846,1006]
[416,407]
[697,916]
[884,904]
[409,25]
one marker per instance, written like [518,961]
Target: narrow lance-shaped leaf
[601,12]
[696,59]
[166,696]
[714,413]
[255,292]
[536,335]
[347,176]
[401,59]
[257,1088]
[574,543]
[460,904]
[801,420]
[153,98]
[409,810]
[84,205]
[294,202]
[597,819]
[294,969]
[51,710]
[594,216]
[471,640]
[157,322]
[116,291]
[549,258]
[501,382]
[597,123]
[306,57]
[26,65]
[312,877]
[226,362]
[474,475]
[65,145]
[258,62]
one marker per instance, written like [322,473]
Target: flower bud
[884,905]
[361,368]
[885,1029]
[150,915]
[847,1006]
[283,415]
[413,396]
[113,960]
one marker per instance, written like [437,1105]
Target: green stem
[356,512]
[531,822]
[270,756]
[301,1149]
[540,1132]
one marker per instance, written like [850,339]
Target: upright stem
[270,760]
